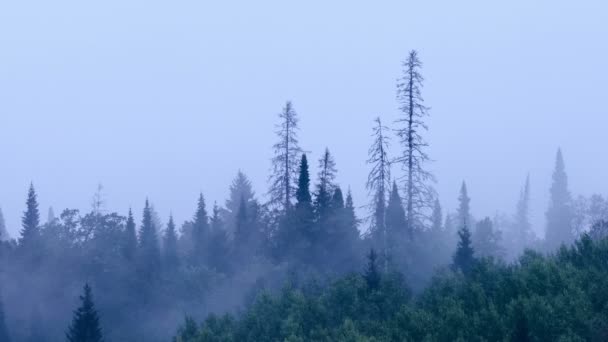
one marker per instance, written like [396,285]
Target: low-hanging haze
[166,99]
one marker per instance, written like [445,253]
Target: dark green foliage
[464,257]
[85,325]
[396,224]
[557,298]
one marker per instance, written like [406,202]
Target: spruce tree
[285,160]
[130,238]
[85,325]
[378,184]
[30,233]
[419,192]
[149,249]
[559,214]
[170,253]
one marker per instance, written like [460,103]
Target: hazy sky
[169,98]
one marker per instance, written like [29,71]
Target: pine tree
[378,184]
[285,160]
[372,273]
[149,250]
[200,232]
[85,325]
[559,214]
[4,335]
[30,233]
[130,238]
[419,193]
[170,253]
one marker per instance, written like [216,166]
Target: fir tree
[285,160]
[170,253]
[85,325]
[130,239]
[378,184]
[149,249]
[559,214]
[30,233]
[418,190]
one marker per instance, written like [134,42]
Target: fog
[167,100]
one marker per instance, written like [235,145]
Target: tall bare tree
[285,160]
[419,192]
[378,184]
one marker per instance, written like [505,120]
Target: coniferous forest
[302,260]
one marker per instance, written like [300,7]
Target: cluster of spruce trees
[147,276]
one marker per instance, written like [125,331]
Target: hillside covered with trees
[305,261]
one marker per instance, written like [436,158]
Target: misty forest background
[304,260]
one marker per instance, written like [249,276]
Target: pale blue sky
[168,98]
